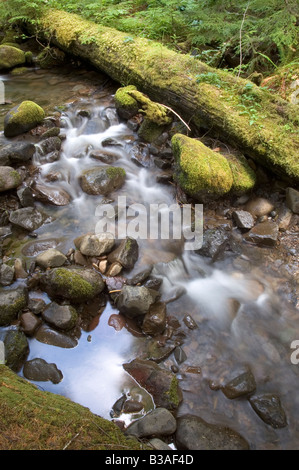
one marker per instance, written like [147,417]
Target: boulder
[22,118]
[196,434]
[134,301]
[63,317]
[259,206]
[95,244]
[6,274]
[51,195]
[268,408]
[46,334]
[11,303]
[16,152]
[243,219]
[41,371]
[263,234]
[102,181]
[28,218]
[51,258]
[159,422]
[126,253]
[16,349]
[9,178]
[240,385]
[10,57]
[154,321]
[125,104]
[29,323]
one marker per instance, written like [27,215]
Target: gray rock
[51,258]
[104,157]
[196,434]
[159,422]
[29,323]
[135,300]
[77,285]
[16,349]
[36,305]
[95,244]
[6,274]
[11,303]
[154,321]
[51,195]
[243,219]
[51,144]
[102,180]
[263,234]
[9,178]
[28,218]
[17,152]
[25,196]
[213,241]
[241,385]
[126,253]
[41,371]
[268,408]
[259,207]
[63,317]
[48,335]
[292,199]
[158,444]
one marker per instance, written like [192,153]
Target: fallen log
[262,125]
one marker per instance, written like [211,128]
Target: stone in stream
[193,433]
[104,157]
[41,371]
[241,385]
[25,196]
[29,323]
[134,301]
[51,195]
[77,285]
[16,349]
[268,408]
[104,181]
[6,274]
[95,244]
[126,253]
[159,422]
[51,258]
[263,234]
[36,306]
[292,200]
[259,207]
[243,219]
[63,317]
[9,178]
[11,303]
[160,383]
[22,118]
[28,218]
[154,321]
[16,152]
[11,57]
[49,145]
[46,334]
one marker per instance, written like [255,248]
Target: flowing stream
[257,334]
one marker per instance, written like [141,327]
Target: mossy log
[262,125]
[35,420]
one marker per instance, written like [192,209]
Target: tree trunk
[263,126]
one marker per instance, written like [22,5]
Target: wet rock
[162,163]
[159,422]
[284,218]
[241,385]
[243,219]
[20,272]
[180,355]
[37,247]
[115,269]
[28,218]
[126,253]
[51,144]
[104,157]
[268,408]
[134,301]
[51,258]
[196,434]
[95,244]
[9,178]
[126,105]
[117,408]
[259,207]
[63,317]
[16,349]
[190,322]
[29,323]
[132,406]
[213,241]
[140,277]
[11,57]
[263,234]
[25,196]
[36,306]
[154,321]
[292,200]
[102,180]
[160,383]
[74,284]
[11,303]
[6,275]
[48,335]
[158,351]
[51,195]
[22,118]
[16,152]
[110,142]
[52,132]
[140,156]
[153,283]
[41,371]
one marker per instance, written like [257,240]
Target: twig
[73,438]
[242,24]
[170,109]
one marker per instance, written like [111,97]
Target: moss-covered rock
[11,303]
[22,118]
[244,178]
[200,172]
[125,104]
[35,420]
[19,71]
[9,178]
[16,349]
[102,180]
[50,57]
[76,285]
[11,57]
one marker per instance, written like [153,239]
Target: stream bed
[234,313]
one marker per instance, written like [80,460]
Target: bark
[263,126]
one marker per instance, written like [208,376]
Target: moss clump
[174,394]
[11,303]
[11,57]
[244,178]
[126,105]
[22,118]
[154,112]
[19,71]
[35,420]
[201,173]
